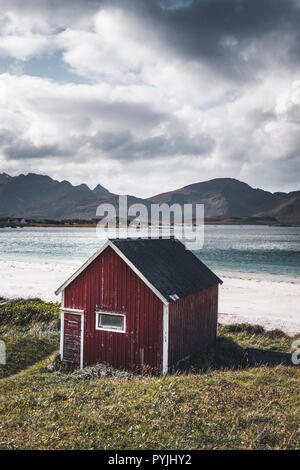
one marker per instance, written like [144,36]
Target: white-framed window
[111,321]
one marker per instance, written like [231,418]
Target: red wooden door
[72,338]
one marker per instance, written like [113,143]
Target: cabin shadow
[223,354]
[227,354]
[260,357]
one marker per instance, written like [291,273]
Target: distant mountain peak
[26,195]
[230,197]
[41,197]
[220,182]
[100,189]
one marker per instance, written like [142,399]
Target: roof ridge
[169,268]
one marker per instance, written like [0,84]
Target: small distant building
[143,304]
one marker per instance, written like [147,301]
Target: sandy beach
[272,303]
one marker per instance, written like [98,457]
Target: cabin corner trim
[62,325]
[165,365]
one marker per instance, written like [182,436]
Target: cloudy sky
[145,96]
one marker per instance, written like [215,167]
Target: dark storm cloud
[133,114]
[121,145]
[125,146]
[23,150]
[221,32]
[122,112]
[232,36]
[15,148]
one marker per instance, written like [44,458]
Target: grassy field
[217,405]
[30,330]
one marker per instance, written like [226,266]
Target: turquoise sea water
[270,251]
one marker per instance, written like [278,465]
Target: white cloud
[23,47]
[150,118]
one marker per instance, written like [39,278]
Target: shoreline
[272,303]
[95,225]
[258,277]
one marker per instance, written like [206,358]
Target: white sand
[268,302]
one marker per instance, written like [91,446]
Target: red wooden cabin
[138,304]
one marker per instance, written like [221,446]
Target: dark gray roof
[168,266]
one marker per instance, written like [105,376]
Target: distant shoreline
[122,226]
[76,223]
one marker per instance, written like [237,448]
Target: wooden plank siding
[192,323]
[109,284]
[72,338]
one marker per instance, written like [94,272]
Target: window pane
[111,321]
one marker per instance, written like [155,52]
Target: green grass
[229,350]
[27,313]
[255,336]
[249,409]
[24,349]
[29,329]
[218,406]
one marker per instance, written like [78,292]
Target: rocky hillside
[233,198]
[40,197]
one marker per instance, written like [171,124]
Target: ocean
[252,250]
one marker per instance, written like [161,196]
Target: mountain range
[41,197]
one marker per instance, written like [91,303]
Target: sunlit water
[262,250]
